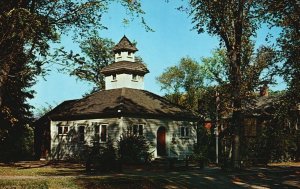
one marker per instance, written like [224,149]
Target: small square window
[63,130]
[137,129]
[114,77]
[184,131]
[134,77]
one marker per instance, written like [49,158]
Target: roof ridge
[122,95]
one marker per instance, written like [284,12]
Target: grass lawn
[38,183]
[76,183]
[31,175]
[64,175]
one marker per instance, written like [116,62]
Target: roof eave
[124,70]
[118,115]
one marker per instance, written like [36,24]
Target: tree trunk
[236,143]
[237,106]
[236,79]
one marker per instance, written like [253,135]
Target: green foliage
[216,66]
[99,54]
[133,149]
[18,144]
[102,158]
[235,23]
[201,148]
[275,143]
[43,110]
[27,30]
[16,137]
[285,15]
[283,134]
[182,83]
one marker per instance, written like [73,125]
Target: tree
[182,83]
[285,14]
[99,54]
[234,23]
[16,136]
[27,28]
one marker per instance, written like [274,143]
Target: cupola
[125,71]
[124,50]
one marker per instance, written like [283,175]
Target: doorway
[161,141]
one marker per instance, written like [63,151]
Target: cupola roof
[125,45]
[125,67]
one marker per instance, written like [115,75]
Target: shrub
[102,158]
[17,145]
[133,149]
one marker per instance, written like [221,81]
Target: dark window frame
[100,132]
[81,133]
[63,130]
[185,132]
[134,77]
[137,129]
[114,77]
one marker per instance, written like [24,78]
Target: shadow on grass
[272,178]
[51,168]
[112,183]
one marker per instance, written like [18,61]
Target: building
[124,106]
[258,124]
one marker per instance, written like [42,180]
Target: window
[137,129]
[81,133]
[63,130]
[118,55]
[184,131]
[114,77]
[134,77]
[250,127]
[103,133]
[97,132]
[100,132]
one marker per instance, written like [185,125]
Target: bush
[133,149]
[201,151]
[17,145]
[102,158]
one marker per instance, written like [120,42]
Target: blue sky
[173,39]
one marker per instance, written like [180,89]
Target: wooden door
[161,141]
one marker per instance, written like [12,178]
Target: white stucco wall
[64,146]
[124,80]
[124,56]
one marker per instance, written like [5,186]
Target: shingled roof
[125,67]
[120,102]
[125,44]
